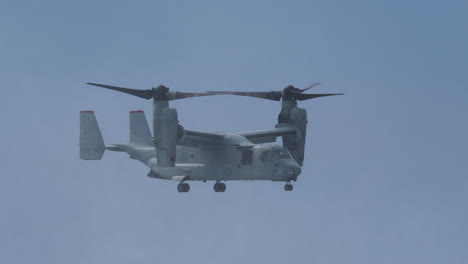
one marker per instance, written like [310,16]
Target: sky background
[386,170]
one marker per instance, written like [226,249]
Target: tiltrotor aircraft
[182,155]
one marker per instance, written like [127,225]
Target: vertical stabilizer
[140,133]
[91,143]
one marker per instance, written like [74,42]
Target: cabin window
[265,155]
[247,157]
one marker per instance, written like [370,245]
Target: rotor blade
[146,94]
[273,95]
[302,97]
[182,95]
[309,87]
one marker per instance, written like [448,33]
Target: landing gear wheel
[222,187]
[288,187]
[183,187]
[180,187]
[186,187]
[219,187]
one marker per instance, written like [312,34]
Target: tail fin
[139,130]
[91,143]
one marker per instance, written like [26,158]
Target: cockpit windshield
[280,153]
[274,154]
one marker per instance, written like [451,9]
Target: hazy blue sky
[386,170]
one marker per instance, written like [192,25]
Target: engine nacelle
[296,117]
[166,135]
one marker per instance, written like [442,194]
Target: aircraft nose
[295,168]
[291,167]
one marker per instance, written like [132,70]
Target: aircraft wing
[244,139]
[194,138]
[268,135]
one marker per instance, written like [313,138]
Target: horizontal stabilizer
[91,143]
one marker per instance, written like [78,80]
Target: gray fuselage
[219,163]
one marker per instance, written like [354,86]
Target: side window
[246,157]
[265,155]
